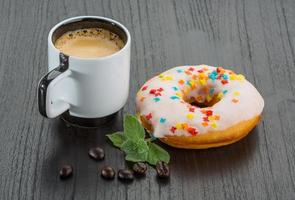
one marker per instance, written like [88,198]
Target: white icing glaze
[240,101]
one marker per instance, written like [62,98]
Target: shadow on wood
[207,162]
[71,147]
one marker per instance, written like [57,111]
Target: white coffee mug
[85,87]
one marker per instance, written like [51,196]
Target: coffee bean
[96,153]
[125,175]
[139,168]
[162,169]
[65,171]
[108,173]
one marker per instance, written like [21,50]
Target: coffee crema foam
[89,43]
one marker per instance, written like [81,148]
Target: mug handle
[47,107]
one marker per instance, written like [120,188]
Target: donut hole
[198,104]
[203,104]
[202,97]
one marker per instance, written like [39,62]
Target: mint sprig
[133,143]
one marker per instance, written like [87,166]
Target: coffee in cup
[89,43]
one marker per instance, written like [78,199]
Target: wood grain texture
[254,37]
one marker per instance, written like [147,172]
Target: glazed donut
[198,107]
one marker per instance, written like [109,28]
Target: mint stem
[151,139]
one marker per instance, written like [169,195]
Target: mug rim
[72,19]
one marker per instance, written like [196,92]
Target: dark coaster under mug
[87,122]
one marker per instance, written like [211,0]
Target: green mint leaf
[129,146]
[157,153]
[136,150]
[136,157]
[134,146]
[132,128]
[117,138]
[142,146]
[132,142]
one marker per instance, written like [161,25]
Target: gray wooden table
[253,37]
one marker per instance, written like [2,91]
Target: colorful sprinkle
[213,75]
[144,88]
[190,116]
[157,99]
[209,112]
[156,92]
[194,77]
[173,129]
[205,124]
[153,91]
[178,126]
[192,131]
[141,99]
[236,93]
[224,76]
[232,77]
[240,77]
[191,69]
[174,97]
[234,100]
[160,89]
[184,126]
[224,82]
[162,120]
[208,98]
[202,82]
[220,95]
[214,125]
[187,72]
[211,118]
[181,82]
[192,83]
[149,116]
[167,78]
[219,69]
[179,71]
[179,94]
[192,109]
[175,88]
[211,91]
[202,75]
[186,90]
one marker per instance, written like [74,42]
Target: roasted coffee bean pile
[107,172]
